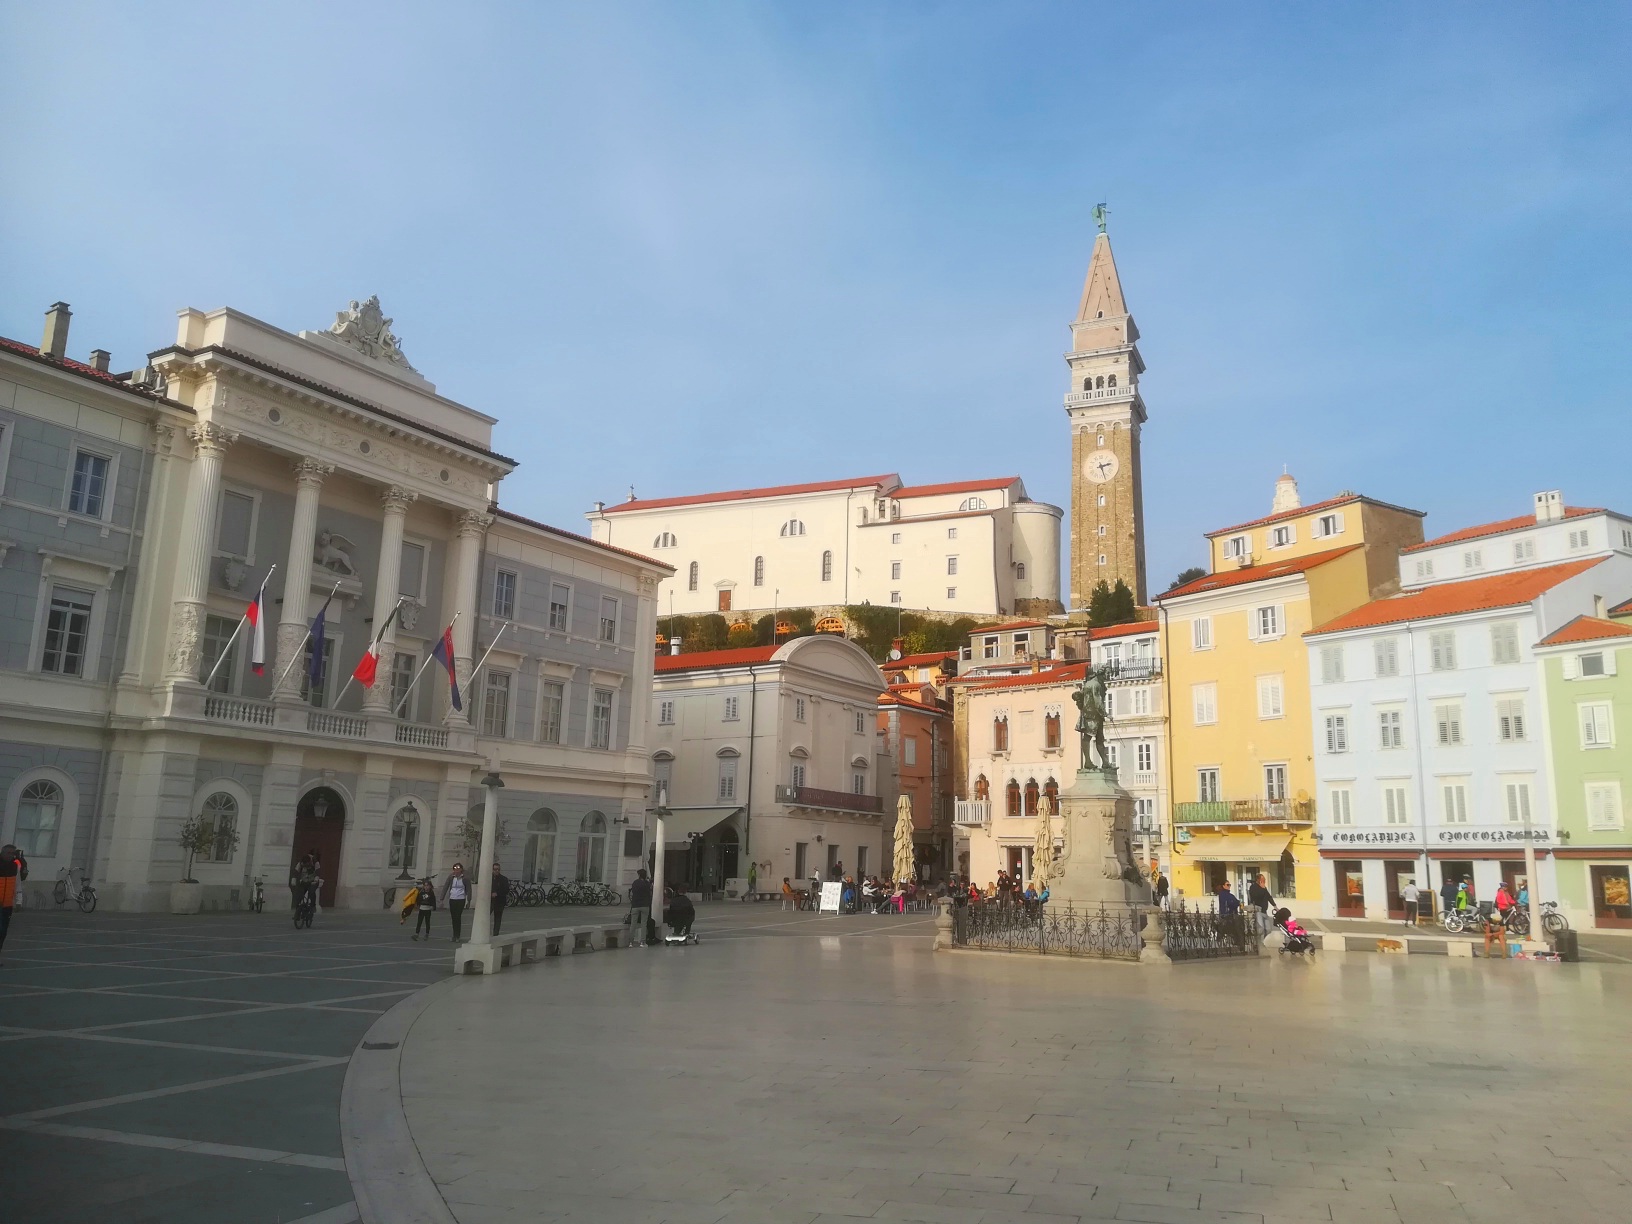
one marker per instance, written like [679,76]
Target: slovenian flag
[443,654]
[257,649]
[368,666]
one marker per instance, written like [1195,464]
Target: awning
[1234,847]
[681,823]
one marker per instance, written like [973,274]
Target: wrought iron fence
[1104,932]
[1197,934]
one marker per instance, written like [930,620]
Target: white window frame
[1337,733]
[1271,696]
[93,637]
[665,712]
[1328,525]
[1512,725]
[1396,802]
[1390,729]
[861,722]
[110,483]
[1341,800]
[1453,801]
[254,496]
[566,609]
[1448,724]
[1201,633]
[499,574]
[1517,802]
[1385,657]
[489,676]
[1523,550]
[725,788]
[1616,818]
[951,567]
[212,870]
[545,680]
[1442,650]
[616,620]
[1283,536]
[1144,756]
[1504,643]
[951,592]
[596,692]
[895,571]
[1209,788]
[67,819]
[730,708]
[1274,615]
[424,545]
[1331,665]
[1595,721]
[1237,546]
[1204,704]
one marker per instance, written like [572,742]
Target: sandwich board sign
[830,896]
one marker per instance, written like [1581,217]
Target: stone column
[467,555]
[377,700]
[210,444]
[297,575]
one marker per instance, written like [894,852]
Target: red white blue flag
[257,649]
[442,652]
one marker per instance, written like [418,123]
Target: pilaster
[297,575]
[210,444]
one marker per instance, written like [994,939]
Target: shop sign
[1183,837]
[1402,837]
[1490,837]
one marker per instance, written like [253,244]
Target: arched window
[827,565]
[665,539]
[1012,796]
[39,819]
[793,527]
[220,813]
[1031,796]
[404,839]
[1020,570]
[592,848]
[1000,733]
[1111,381]
[1051,788]
[1100,381]
[759,571]
[538,851]
[691,577]
[1087,384]
[972,503]
[1051,730]
[983,788]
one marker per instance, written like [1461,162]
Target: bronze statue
[1090,701]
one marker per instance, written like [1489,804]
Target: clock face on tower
[1101,466]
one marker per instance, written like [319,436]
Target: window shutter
[1571,671]
[1609,662]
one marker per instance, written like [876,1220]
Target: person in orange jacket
[13,871]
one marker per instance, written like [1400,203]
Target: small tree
[1123,608]
[470,839]
[1099,605]
[1188,575]
[202,836]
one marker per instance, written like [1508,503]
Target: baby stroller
[678,916]
[1296,940]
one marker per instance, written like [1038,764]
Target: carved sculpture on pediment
[408,616]
[365,328]
[233,573]
[333,552]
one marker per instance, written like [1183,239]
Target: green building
[1587,678]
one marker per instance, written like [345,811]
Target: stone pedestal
[1096,866]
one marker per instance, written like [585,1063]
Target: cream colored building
[978,547]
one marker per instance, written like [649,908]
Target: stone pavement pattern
[799,1069]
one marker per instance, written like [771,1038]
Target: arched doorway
[320,826]
[728,853]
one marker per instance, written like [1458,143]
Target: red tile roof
[582,539]
[1622,609]
[919,660]
[1255,573]
[1064,673]
[957,486]
[74,367]
[1008,625]
[1509,590]
[1586,629]
[1342,499]
[823,486]
[699,660]
[1497,528]
[908,695]
[1132,627]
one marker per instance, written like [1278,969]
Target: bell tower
[1106,414]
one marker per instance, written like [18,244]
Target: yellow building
[1238,683]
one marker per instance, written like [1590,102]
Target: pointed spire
[1102,291]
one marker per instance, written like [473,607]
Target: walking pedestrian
[455,893]
[1447,894]
[1410,896]
[424,907]
[1161,888]
[640,906]
[1228,902]
[1263,905]
[498,898]
[13,871]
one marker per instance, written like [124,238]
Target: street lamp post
[481,925]
[657,814]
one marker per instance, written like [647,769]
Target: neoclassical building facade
[139,515]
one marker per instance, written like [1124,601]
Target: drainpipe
[753,727]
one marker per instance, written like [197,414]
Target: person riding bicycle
[306,883]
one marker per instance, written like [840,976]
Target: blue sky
[700,246]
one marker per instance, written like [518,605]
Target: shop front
[1595,887]
[1364,873]
[1238,859]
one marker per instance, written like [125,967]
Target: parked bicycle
[1551,920]
[257,896]
[583,892]
[73,882]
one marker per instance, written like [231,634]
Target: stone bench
[521,947]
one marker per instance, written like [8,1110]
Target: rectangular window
[1337,733]
[1385,656]
[609,619]
[1454,796]
[1270,704]
[1144,756]
[951,533]
[560,597]
[1425,569]
[1275,783]
[895,597]
[234,523]
[1473,559]
[1201,633]
[1517,795]
[67,632]
[951,567]
[1110,704]
[1342,801]
[1331,665]
[801,859]
[1510,719]
[1448,724]
[727,792]
[1329,525]
[1597,725]
[552,701]
[988,648]
[1207,785]
[496,704]
[1391,734]
[403,665]
[951,592]
[1523,550]
[411,573]
[1590,664]
[1442,650]
[1504,642]
[895,537]
[1022,645]
[1051,729]
[909,750]
[665,713]
[504,595]
[1235,546]
[797,774]
[1579,540]
[88,493]
[861,722]
[895,571]
[1204,703]
[1268,621]
[1394,809]
[1141,701]
[798,709]
[730,714]
[600,720]
[218,632]
[1604,806]
[1280,537]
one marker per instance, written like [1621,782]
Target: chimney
[674,645]
[1549,506]
[600,507]
[55,343]
[1286,494]
[100,359]
[1598,606]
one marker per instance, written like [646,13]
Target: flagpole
[371,646]
[487,652]
[260,598]
[428,658]
[302,645]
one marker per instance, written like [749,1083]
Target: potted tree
[198,836]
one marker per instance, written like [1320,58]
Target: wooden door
[320,827]
[725,599]
[1351,888]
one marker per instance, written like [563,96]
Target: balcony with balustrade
[254,715]
[830,800]
[972,813]
[1245,812]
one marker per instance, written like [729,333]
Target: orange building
[917,729]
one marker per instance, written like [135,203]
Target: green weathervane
[1100,213]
